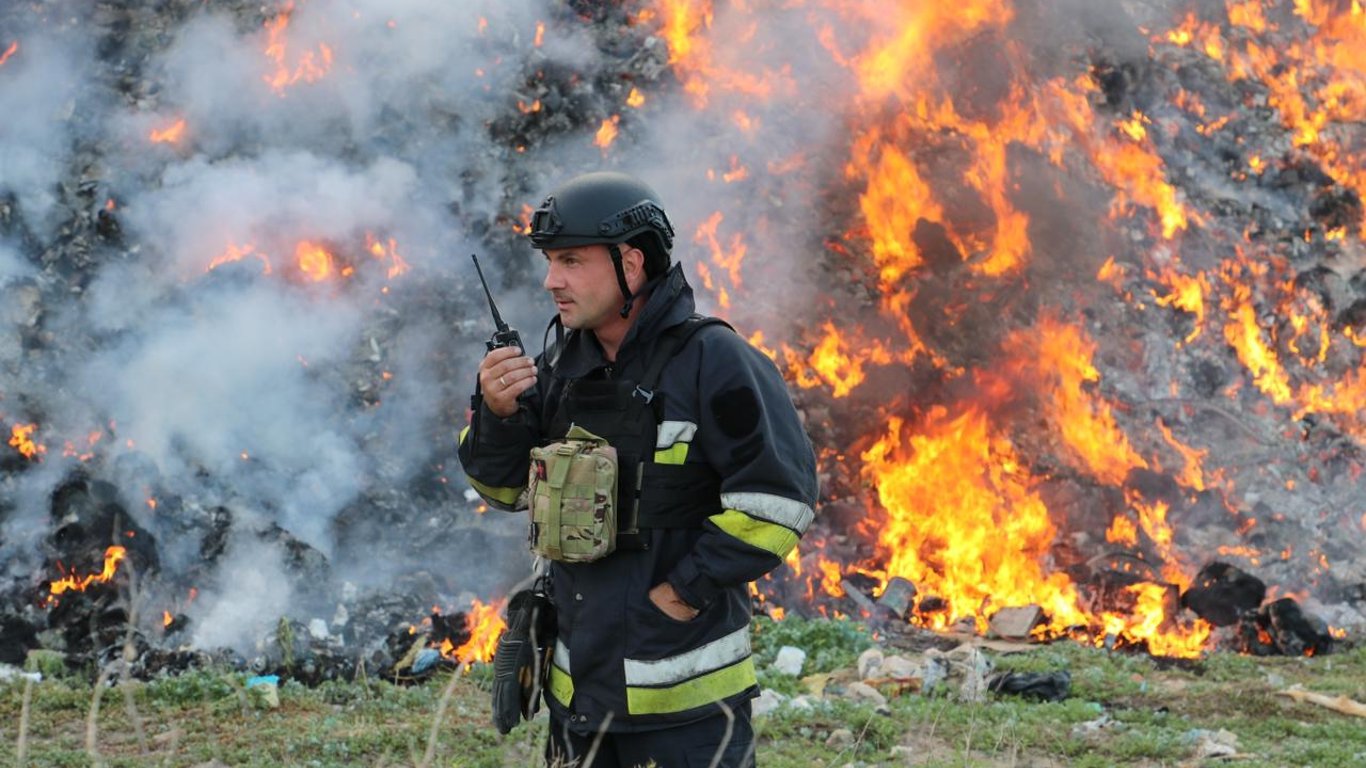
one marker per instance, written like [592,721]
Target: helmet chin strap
[621,279]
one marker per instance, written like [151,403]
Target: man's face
[583,284]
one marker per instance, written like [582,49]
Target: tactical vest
[627,413]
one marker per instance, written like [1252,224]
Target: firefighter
[713,485]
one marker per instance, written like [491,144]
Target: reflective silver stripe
[671,432]
[714,655]
[561,657]
[775,509]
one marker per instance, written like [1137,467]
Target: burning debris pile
[1073,300]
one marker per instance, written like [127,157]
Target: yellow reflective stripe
[505,496]
[674,454]
[756,533]
[561,685]
[697,692]
[671,441]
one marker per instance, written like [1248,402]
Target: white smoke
[237,386]
[39,87]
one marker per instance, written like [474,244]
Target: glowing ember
[171,134]
[10,51]
[21,440]
[313,261]
[387,251]
[237,253]
[73,582]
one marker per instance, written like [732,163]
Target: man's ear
[633,264]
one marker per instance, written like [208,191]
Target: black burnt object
[17,637]
[1108,587]
[1221,594]
[93,551]
[1043,686]
[1282,628]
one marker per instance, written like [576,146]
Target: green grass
[1154,711]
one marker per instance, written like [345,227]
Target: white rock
[901,668]
[862,692]
[790,660]
[869,663]
[840,737]
[802,703]
[10,672]
[767,702]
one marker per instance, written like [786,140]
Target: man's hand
[667,600]
[504,374]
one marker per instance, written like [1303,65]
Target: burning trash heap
[1072,298]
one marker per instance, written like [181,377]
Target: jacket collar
[670,303]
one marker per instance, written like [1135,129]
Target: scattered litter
[1093,727]
[1209,744]
[1044,686]
[10,672]
[264,691]
[425,659]
[1336,703]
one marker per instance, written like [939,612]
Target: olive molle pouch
[522,660]
[572,492]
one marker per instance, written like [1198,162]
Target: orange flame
[386,252]
[313,261]
[10,51]
[1063,356]
[171,134]
[607,132]
[308,67]
[21,440]
[485,624]
[235,252]
[72,582]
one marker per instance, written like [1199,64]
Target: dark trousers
[694,745]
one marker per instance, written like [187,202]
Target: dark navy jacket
[726,412]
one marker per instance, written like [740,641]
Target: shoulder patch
[736,411]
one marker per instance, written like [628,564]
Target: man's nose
[552,277]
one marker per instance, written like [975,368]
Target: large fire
[958,506]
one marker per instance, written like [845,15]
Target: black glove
[522,660]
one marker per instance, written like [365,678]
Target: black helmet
[605,207]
